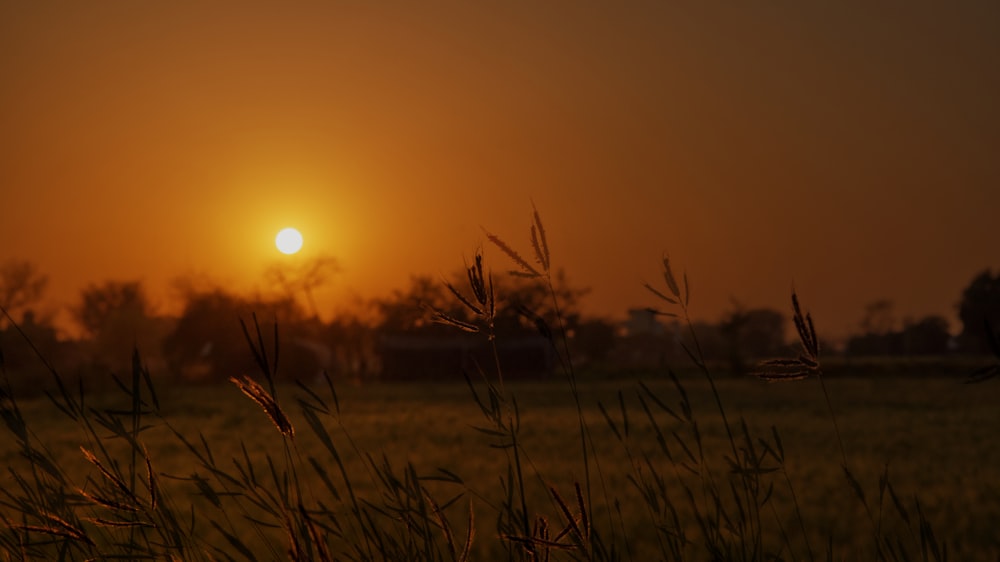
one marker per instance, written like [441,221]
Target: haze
[848,149]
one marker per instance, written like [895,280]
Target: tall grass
[295,503]
[119,510]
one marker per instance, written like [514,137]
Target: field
[934,437]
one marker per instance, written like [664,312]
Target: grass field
[935,437]
[844,461]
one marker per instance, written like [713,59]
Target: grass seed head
[258,394]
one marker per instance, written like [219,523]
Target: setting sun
[288,241]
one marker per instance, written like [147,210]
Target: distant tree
[207,337]
[21,290]
[872,344]
[879,318]
[303,278]
[207,342]
[731,327]
[117,316]
[764,333]
[101,304]
[353,346]
[927,336]
[520,303]
[715,345]
[593,339]
[407,309]
[980,301]
[21,287]
[17,354]
[878,331]
[752,334]
[524,301]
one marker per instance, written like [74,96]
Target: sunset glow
[452,213]
[849,152]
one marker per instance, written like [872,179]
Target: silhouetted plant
[305,505]
[980,300]
[987,372]
[21,286]
[807,365]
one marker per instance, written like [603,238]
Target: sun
[288,241]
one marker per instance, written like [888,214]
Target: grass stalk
[294,505]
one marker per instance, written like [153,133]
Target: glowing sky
[850,148]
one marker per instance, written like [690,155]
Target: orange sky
[852,151]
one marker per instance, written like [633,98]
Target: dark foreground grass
[936,437]
[666,467]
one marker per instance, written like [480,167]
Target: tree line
[204,341]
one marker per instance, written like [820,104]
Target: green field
[936,437]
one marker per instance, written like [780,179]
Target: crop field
[921,453]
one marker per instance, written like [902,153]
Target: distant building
[642,342]
[643,321]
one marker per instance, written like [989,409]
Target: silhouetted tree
[303,277]
[207,337]
[520,302]
[18,349]
[730,327]
[353,346]
[878,334]
[980,301]
[117,316]
[875,344]
[523,301]
[420,329]
[879,318]
[406,309]
[207,342]
[752,334]
[21,287]
[713,343]
[764,333]
[594,339]
[927,336]
[102,304]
